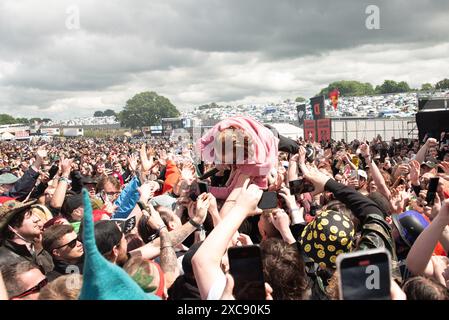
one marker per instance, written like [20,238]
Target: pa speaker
[432,123]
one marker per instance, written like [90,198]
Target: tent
[288,130]
[7,136]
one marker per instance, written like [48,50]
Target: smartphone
[203,187]
[245,266]
[355,174]
[433,185]
[364,275]
[300,186]
[269,200]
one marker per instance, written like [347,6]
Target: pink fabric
[265,147]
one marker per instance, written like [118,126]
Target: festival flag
[334,95]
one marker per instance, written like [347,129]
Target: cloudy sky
[200,51]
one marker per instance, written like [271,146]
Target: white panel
[370,125]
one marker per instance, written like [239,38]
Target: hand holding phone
[431,192]
[364,275]
[245,264]
[300,186]
[269,200]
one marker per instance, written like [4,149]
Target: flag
[334,95]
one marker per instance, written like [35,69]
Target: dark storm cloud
[207,50]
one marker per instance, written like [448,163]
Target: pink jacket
[264,146]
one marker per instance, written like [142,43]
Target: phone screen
[364,275]
[269,200]
[300,186]
[433,185]
[245,264]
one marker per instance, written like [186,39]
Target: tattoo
[168,256]
[179,235]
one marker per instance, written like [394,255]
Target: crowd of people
[120,219]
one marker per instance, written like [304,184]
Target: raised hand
[132,162]
[249,198]
[364,150]
[445,166]
[66,167]
[415,171]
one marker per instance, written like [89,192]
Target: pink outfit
[264,146]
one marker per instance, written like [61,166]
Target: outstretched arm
[418,258]
[206,262]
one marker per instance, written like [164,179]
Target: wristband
[64,179]
[196,225]
[160,228]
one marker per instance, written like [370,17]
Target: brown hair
[284,270]
[52,234]
[105,179]
[66,287]
[420,288]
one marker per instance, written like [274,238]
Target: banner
[323,128]
[318,109]
[301,109]
[309,130]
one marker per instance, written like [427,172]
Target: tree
[38,120]
[146,109]
[300,99]
[6,119]
[22,120]
[426,87]
[98,114]
[349,88]
[443,84]
[109,113]
[391,86]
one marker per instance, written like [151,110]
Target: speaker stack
[432,117]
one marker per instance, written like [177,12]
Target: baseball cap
[429,164]
[363,174]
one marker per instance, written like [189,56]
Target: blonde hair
[66,287]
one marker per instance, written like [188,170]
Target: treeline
[7,119]
[356,88]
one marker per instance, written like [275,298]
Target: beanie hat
[330,234]
[103,280]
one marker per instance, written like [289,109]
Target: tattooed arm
[169,262]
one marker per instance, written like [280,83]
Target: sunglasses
[71,244]
[34,289]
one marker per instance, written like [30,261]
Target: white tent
[288,130]
[7,136]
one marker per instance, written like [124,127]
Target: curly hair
[284,270]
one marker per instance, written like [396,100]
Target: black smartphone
[269,200]
[53,171]
[203,187]
[300,186]
[433,185]
[364,275]
[245,266]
